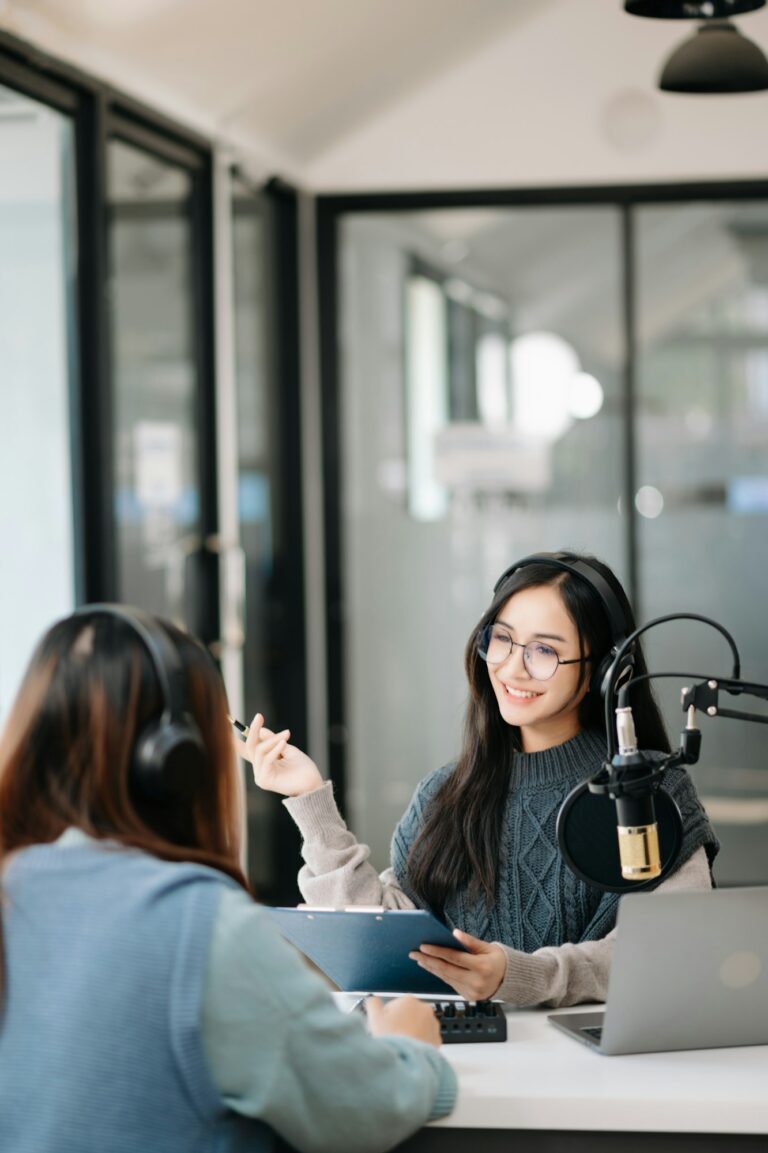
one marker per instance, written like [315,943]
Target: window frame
[331,209]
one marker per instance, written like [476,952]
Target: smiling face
[545,711]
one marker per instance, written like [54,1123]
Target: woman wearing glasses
[478,844]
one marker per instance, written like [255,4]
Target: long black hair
[459,844]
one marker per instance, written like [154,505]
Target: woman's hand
[405,1015]
[277,766]
[475,975]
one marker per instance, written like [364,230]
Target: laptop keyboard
[594,1031]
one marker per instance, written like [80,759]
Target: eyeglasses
[495,646]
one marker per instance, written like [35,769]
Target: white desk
[541,1090]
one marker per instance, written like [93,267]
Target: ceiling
[414,94]
[296,76]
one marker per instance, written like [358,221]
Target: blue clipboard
[366,950]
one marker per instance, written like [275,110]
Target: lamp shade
[716,59]
[691,9]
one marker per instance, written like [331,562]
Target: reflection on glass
[492,360]
[543,370]
[585,397]
[37,351]
[426,375]
[703,482]
[157,500]
[497,458]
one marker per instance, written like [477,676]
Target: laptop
[689,971]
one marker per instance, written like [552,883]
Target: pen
[241,729]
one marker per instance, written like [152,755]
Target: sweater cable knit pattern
[539,901]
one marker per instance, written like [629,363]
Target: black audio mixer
[471,1021]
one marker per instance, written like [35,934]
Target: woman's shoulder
[159,875]
[412,821]
[413,817]
[679,783]
[429,785]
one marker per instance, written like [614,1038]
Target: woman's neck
[556,732]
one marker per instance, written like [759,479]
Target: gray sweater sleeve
[570,974]
[336,869]
[280,1051]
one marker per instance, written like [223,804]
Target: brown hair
[66,752]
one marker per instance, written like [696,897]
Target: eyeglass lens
[496,644]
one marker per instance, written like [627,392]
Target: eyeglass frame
[519,644]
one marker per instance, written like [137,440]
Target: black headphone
[620,623]
[169,748]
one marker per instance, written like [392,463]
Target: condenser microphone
[633,792]
[620,830]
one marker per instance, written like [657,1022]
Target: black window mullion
[35,82]
[287,639]
[158,143]
[330,371]
[203,305]
[286,630]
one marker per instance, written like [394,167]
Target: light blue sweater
[153,1006]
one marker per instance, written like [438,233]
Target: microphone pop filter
[586,834]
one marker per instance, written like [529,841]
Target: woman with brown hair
[478,843]
[146,1001]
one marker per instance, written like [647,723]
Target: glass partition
[155,382]
[481,384]
[37,352]
[702,485]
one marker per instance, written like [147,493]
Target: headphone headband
[613,607]
[620,624]
[165,749]
[160,649]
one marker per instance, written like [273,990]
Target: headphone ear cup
[599,682]
[167,758]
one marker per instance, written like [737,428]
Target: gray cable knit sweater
[557,932]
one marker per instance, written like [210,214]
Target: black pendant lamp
[691,9]
[717,58]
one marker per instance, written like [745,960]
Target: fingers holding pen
[258,735]
[278,766]
[254,734]
[264,747]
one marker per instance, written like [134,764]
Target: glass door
[39,570]
[162,410]
[481,360]
[702,492]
